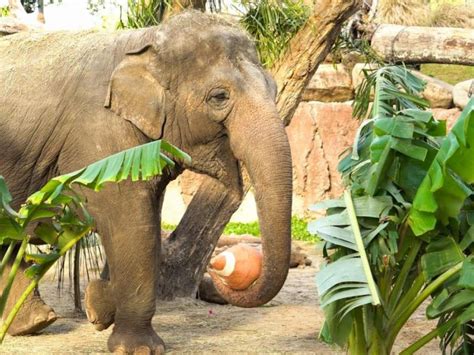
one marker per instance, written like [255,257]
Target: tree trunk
[395,43]
[307,50]
[187,252]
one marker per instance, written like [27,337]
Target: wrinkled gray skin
[68,99]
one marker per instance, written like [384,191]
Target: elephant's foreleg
[188,250]
[128,222]
[34,314]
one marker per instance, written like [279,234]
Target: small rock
[462,93]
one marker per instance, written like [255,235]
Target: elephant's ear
[136,95]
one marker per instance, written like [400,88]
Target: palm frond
[272,24]
[395,89]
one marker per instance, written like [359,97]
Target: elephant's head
[200,86]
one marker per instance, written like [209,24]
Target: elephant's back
[43,62]
[49,81]
[48,74]
[56,62]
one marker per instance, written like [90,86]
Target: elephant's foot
[99,308]
[142,341]
[34,316]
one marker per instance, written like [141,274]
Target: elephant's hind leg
[34,315]
[100,308]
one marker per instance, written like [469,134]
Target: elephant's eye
[218,97]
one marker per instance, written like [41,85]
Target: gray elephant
[68,99]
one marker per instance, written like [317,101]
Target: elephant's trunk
[262,145]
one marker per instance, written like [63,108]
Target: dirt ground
[288,324]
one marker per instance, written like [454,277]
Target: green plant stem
[402,277]
[12,274]
[397,323]
[375,343]
[361,248]
[6,257]
[412,292]
[438,331]
[11,316]
[357,342]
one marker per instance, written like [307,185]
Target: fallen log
[413,44]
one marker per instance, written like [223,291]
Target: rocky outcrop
[330,83]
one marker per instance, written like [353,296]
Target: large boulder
[438,93]
[330,83]
[462,92]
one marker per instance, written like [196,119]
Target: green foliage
[404,231]
[60,215]
[397,89]
[273,24]
[4,11]
[252,228]
[145,13]
[449,73]
[298,229]
[445,188]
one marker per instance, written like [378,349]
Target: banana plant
[59,215]
[404,231]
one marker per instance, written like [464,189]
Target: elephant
[195,81]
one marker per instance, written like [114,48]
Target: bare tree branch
[307,50]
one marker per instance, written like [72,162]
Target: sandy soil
[288,324]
